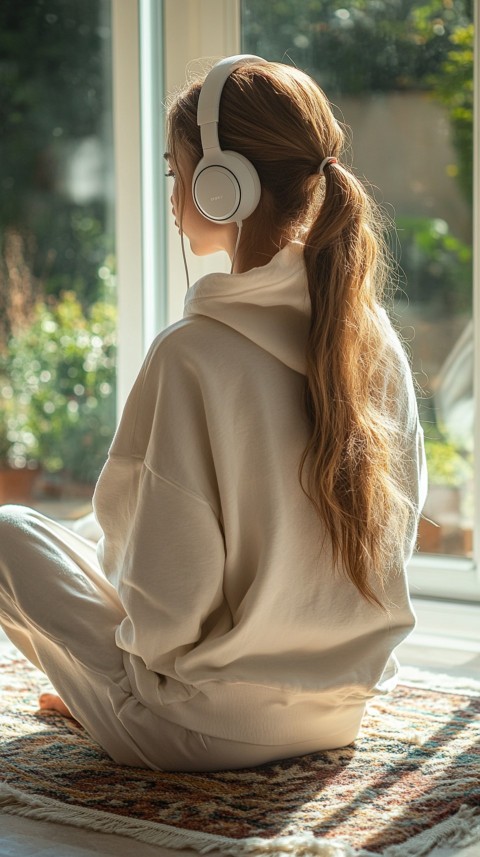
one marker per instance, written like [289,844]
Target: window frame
[148,249]
[128,200]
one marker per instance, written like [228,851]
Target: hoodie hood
[269,305]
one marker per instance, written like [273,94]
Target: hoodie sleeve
[162,545]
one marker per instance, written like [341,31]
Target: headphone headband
[225,185]
[210,94]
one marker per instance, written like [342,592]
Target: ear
[225,187]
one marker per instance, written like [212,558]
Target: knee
[15,529]
[13,519]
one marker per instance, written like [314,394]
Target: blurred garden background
[57,261]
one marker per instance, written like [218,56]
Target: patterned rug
[411,781]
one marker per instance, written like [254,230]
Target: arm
[157,504]
[167,564]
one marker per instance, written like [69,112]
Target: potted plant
[18,448]
[60,384]
[446,526]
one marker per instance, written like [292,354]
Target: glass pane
[401,76]
[57,263]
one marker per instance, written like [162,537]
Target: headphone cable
[237,242]
[184,259]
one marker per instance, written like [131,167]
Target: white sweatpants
[60,611]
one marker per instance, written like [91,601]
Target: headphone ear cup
[225,187]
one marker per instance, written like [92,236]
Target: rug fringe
[19,803]
[15,802]
[461,831]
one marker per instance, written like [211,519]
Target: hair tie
[325,163]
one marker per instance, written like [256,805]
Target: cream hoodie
[237,625]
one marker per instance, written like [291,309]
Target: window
[57,263]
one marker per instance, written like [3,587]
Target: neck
[262,236]
[254,253]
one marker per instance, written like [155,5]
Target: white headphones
[225,185]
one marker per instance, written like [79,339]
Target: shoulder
[169,389]
[184,361]
[186,332]
[192,343]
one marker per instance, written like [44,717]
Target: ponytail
[350,450]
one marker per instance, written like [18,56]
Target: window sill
[446,624]
[454,579]
[446,640]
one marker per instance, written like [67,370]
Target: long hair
[280,119]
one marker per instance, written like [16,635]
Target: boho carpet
[411,781]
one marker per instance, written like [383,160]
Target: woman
[262,492]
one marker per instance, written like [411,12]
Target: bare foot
[52,702]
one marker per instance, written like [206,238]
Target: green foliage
[57,374]
[454,88]
[54,99]
[18,446]
[362,46]
[5,444]
[59,387]
[436,265]
[452,81]
[445,464]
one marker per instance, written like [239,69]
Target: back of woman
[262,493]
